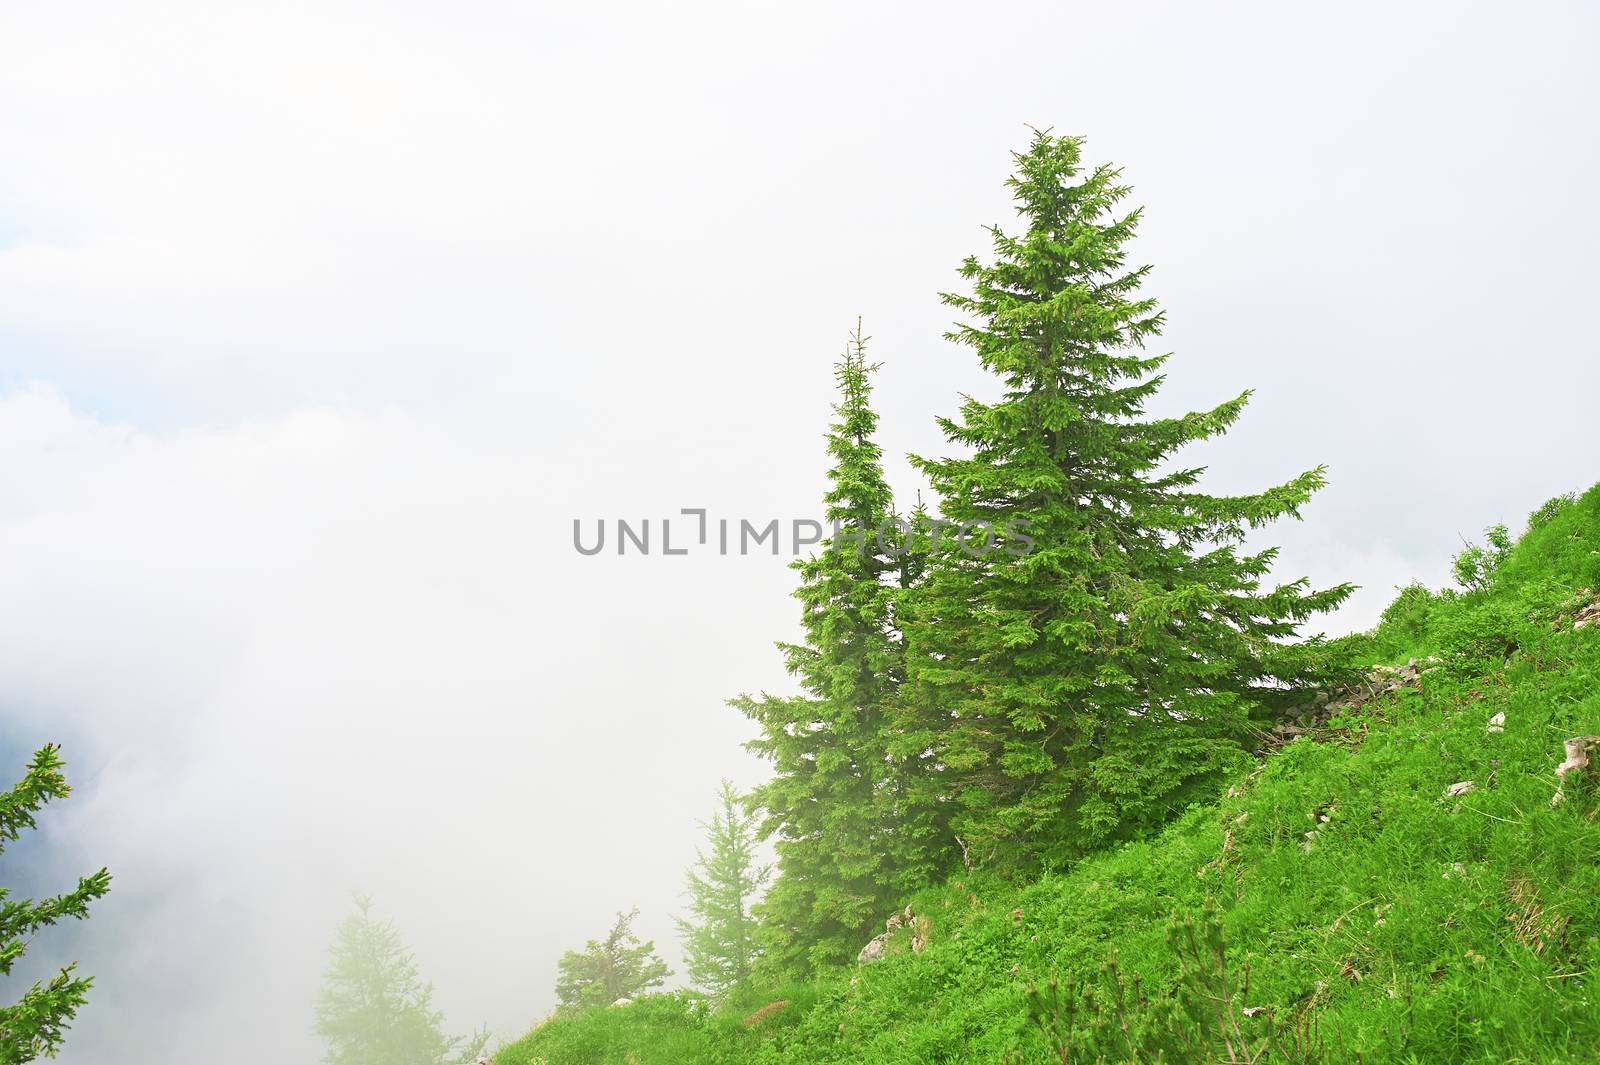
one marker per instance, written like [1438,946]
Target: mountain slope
[1375,913]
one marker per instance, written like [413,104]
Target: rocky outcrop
[919,924]
[874,950]
[1309,717]
[1584,615]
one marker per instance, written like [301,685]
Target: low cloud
[328,652]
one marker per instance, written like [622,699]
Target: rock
[1309,718]
[878,946]
[1582,756]
[1460,788]
[1578,751]
[1497,723]
[1583,617]
[874,950]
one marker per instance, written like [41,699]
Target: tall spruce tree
[375,1009]
[1086,688]
[719,939]
[608,970]
[36,1024]
[847,844]
[913,801]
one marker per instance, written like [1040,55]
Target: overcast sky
[321,322]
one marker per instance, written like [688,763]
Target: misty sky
[321,322]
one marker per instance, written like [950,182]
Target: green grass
[1415,928]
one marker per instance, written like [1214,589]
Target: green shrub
[1476,566]
[1553,506]
[1203,1019]
[1407,619]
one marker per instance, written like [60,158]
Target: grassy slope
[1418,928]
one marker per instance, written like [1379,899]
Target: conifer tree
[847,846]
[913,801]
[719,941]
[610,969]
[375,1009]
[1083,686]
[36,1024]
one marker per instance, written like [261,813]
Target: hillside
[1391,882]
